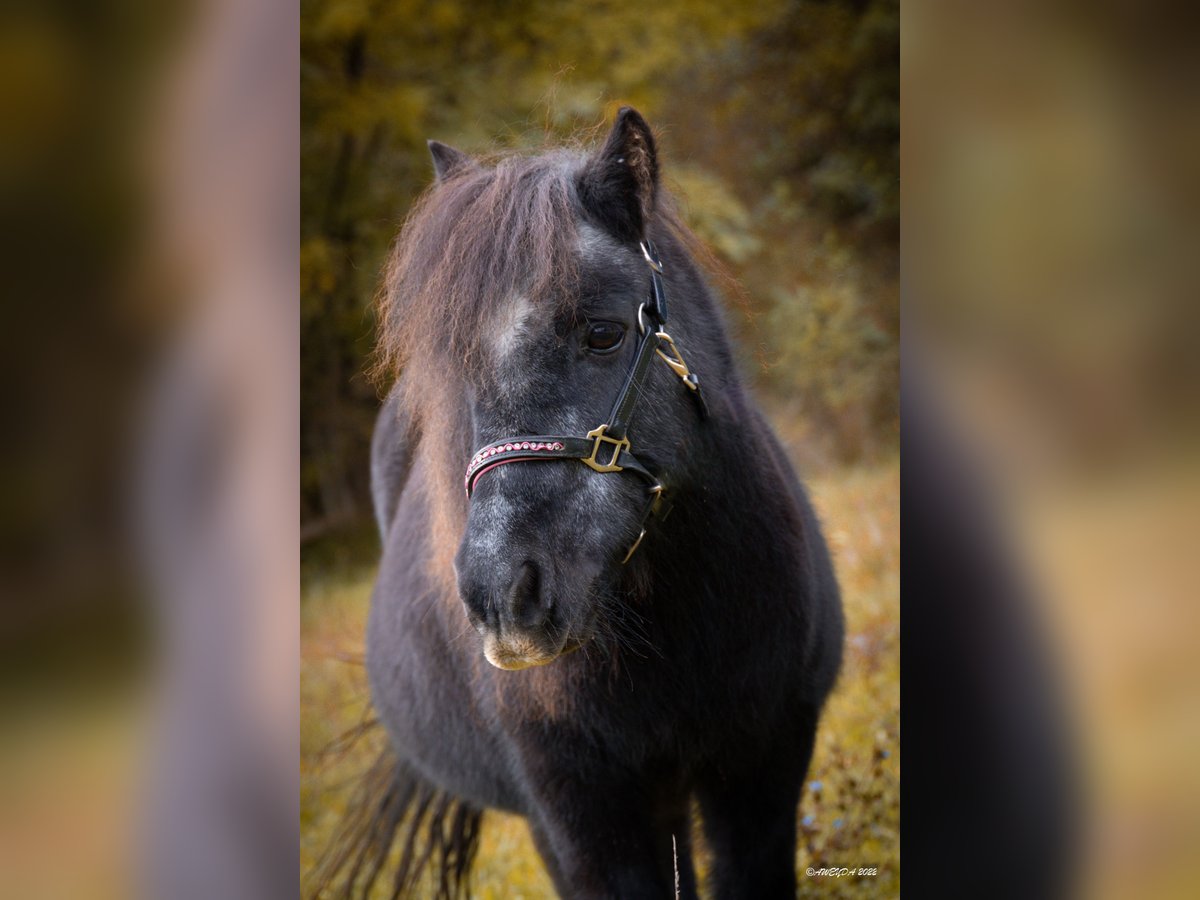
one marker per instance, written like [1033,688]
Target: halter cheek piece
[606,447]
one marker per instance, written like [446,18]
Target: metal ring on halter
[641,324]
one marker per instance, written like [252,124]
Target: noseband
[606,448]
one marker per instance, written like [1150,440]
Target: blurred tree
[780,120]
[800,119]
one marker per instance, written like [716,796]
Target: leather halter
[606,448]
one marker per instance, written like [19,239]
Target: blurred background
[149,570]
[778,127]
[1052,319]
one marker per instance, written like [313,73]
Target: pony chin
[512,655]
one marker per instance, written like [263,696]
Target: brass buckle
[599,437]
[678,366]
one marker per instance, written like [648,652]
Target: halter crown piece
[606,448]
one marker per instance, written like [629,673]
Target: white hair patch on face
[594,244]
[511,326]
[601,248]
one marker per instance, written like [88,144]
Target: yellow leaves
[317,276]
[359,111]
[625,50]
[340,19]
[715,214]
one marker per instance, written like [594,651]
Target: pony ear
[447,161]
[618,184]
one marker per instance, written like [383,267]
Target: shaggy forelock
[470,243]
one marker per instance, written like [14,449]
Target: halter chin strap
[606,447]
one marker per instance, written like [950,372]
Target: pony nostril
[478,599]
[480,613]
[525,601]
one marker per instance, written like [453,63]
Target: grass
[850,811]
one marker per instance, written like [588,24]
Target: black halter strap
[606,448]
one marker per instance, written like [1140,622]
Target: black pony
[525,652]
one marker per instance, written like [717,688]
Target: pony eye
[604,337]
